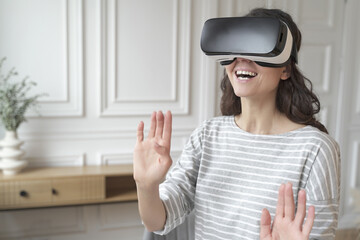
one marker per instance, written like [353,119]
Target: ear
[285,73]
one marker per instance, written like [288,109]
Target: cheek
[229,68]
[272,75]
[228,72]
[275,73]
[269,82]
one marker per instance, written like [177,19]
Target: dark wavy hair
[295,97]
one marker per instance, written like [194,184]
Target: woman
[238,170]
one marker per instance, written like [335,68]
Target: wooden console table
[61,186]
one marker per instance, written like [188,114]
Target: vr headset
[264,40]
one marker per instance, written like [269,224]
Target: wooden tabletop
[55,172]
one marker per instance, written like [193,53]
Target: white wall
[349,117]
[108,64]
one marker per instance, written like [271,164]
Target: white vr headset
[264,40]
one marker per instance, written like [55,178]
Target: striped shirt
[227,176]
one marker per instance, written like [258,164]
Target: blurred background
[107,64]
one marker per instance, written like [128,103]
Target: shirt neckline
[285,134]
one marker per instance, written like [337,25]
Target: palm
[152,155]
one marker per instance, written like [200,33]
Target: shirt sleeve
[178,190]
[323,190]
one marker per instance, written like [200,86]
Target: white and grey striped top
[227,176]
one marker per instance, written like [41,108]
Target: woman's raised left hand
[287,226]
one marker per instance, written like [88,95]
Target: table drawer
[64,186]
[51,192]
[25,193]
[78,189]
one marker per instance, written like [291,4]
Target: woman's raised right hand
[151,157]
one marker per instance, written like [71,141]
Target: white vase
[11,154]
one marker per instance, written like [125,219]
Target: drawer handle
[23,193]
[54,192]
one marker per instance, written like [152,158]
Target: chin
[242,94]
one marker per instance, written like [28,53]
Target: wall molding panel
[357,87]
[319,74]
[323,115]
[280,4]
[57,161]
[115,158]
[44,41]
[41,222]
[90,134]
[71,104]
[320,55]
[118,216]
[355,165]
[349,120]
[176,97]
[317,16]
[208,73]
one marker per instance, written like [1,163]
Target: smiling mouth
[245,75]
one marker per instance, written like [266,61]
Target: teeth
[252,74]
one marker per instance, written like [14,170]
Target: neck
[259,116]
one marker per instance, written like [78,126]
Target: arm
[151,208]
[151,162]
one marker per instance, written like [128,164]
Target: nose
[239,59]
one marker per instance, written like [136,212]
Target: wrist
[147,188]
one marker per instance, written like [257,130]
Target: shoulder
[326,143]
[220,124]
[327,160]
[324,177]
[214,126]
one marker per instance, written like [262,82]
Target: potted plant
[14,102]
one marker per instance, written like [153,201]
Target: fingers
[301,208]
[285,210]
[301,212]
[309,221]
[140,131]
[265,224]
[159,125]
[152,125]
[168,127]
[289,202]
[281,202]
